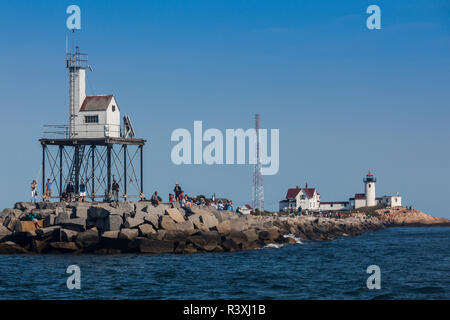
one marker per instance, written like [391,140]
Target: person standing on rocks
[82,191]
[115,191]
[34,191]
[71,191]
[171,198]
[177,191]
[48,190]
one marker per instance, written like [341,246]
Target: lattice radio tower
[258,186]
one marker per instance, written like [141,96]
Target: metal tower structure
[258,186]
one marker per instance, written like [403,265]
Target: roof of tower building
[96,103]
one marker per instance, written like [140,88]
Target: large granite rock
[209,220]
[25,206]
[113,223]
[128,234]
[153,219]
[175,215]
[80,212]
[146,230]
[87,239]
[64,247]
[167,223]
[48,231]
[133,222]
[197,222]
[4,232]
[49,220]
[75,224]
[42,213]
[10,223]
[62,216]
[99,212]
[10,247]
[205,240]
[16,213]
[67,235]
[146,245]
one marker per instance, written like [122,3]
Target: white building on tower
[91,117]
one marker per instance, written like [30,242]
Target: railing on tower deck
[62,131]
[56,131]
[370,179]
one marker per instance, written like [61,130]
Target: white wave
[274,245]
[281,245]
[292,236]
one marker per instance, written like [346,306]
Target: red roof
[370,174]
[309,191]
[360,196]
[96,103]
[292,193]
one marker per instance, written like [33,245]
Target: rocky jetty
[401,216]
[139,227]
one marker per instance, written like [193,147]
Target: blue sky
[346,99]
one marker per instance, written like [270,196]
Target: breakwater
[140,227]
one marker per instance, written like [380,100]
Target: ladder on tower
[74,171]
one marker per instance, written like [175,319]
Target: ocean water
[414,263]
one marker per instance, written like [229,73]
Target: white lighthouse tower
[77,64]
[369,182]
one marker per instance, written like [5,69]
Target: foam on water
[292,236]
[281,245]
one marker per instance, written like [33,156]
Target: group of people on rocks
[324,214]
[186,201]
[68,194]
[178,195]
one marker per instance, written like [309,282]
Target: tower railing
[77,60]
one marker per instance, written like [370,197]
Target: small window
[113,108]
[91,119]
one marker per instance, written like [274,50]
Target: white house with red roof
[98,117]
[304,198]
[309,199]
